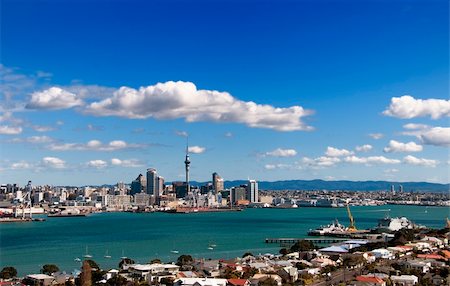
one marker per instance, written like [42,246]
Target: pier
[315,241]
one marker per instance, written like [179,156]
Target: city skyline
[98,92]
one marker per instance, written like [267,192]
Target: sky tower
[186,164]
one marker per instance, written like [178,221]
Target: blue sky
[95,92]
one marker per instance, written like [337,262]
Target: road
[337,277]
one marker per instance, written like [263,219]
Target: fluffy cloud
[370,160]
[408,107]
[196,149]
[395,146]
[364,148]
[94,145]
[53,162]
[42,128]
[411,160]
[322,161]
[10,130]
[171,100]
[438,136]
[53,98]
[21,165]
[97,164]
[282,153]
[277,166]
[181,133]
[376,136]
[334,152]
[132,163]
[39,139]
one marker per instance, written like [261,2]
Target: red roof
[446,253]
[238,282]
[371,279]
[430,256]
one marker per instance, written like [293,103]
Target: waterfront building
[142,199]
[252,191]
[151,181]
[218,184]
[237,194]
[138,185]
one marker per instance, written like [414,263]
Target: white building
[200,282]
[404,280]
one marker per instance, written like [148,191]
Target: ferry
[389,224]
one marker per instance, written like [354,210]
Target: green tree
[125,261]
[117,280]
[185,260]
[167,281]
[93,264]
[268,282]
[284,251]
[302,245]
[247,254]
[86,274]
[8,272]
[156,260]
[301,265]
[49,269]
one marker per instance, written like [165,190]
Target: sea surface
[144,236]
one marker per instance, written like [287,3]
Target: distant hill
[342,185]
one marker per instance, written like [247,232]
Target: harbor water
[144,236]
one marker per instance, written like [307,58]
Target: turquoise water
[28,246]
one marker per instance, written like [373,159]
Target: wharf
[15,219]
[315,241]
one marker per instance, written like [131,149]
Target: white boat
[395,224]
[107,255]
[174,251]
[77,259]
[87,255]
[332,228]
[210,248]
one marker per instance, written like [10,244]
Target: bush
[8,272]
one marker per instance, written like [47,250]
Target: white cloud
[181,133]
[364,148]
[282,153]
[428,135]
[97,164]
[228,134]
[376,136]
[411,160]
[277,166]
[406,107]
[196,149]
[334,152]
[370,160]
[39,139]
[94,145]
[41,128]
[438,136]
[132,163]
[171,100]
[53,98]
[10,130]
[322,161]
[391,171]
[21,165]
[414,126]
[395,146]
[53,162]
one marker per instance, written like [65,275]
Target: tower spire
[186,164]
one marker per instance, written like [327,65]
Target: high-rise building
[151,181]
[159,186]
[252,191]
[138,185]
[217,183]
[400,189]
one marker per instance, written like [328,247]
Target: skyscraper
[159,186]
[252,191]
[217,183]
[151,181]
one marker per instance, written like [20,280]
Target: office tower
[151,181]
[252,191]
[138,185]
[393,189]
[159,186]
[217,183]
[400,189]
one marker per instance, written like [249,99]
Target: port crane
[352,226]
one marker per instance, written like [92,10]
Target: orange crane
[352,226]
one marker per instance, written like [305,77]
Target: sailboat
[107,255]
[123,256]
[77,259]
[87,255]
[174,251]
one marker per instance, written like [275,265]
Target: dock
[315,241]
